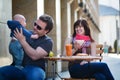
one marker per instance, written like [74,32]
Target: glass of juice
[68,49]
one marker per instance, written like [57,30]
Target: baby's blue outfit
[15,47]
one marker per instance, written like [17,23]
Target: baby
[15,47]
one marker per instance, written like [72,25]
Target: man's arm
[34,54]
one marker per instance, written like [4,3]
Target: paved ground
[113,61]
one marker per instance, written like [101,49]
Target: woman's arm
[86,44]
[93,49]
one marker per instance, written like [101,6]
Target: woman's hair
[82,22]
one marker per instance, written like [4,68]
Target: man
[35,50]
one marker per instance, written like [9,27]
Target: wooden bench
[99,52]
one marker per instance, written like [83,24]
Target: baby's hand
[34,36]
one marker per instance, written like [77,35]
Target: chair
[99,50]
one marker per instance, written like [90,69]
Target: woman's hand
[77,45]
[83,62]
[19,35]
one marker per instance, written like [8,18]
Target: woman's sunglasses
[37,26]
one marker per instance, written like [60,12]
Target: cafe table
[87,58]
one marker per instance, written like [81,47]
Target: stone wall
[5,14]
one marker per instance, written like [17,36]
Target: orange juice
[68,49]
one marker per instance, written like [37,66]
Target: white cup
[80,41]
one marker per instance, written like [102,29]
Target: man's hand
[19,34]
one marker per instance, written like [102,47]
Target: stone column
[50,10]
[49,6]
[5,14]
[28,8]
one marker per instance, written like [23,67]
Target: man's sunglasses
[37,26]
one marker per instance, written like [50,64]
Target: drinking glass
[68,49]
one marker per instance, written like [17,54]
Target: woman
[80,69]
